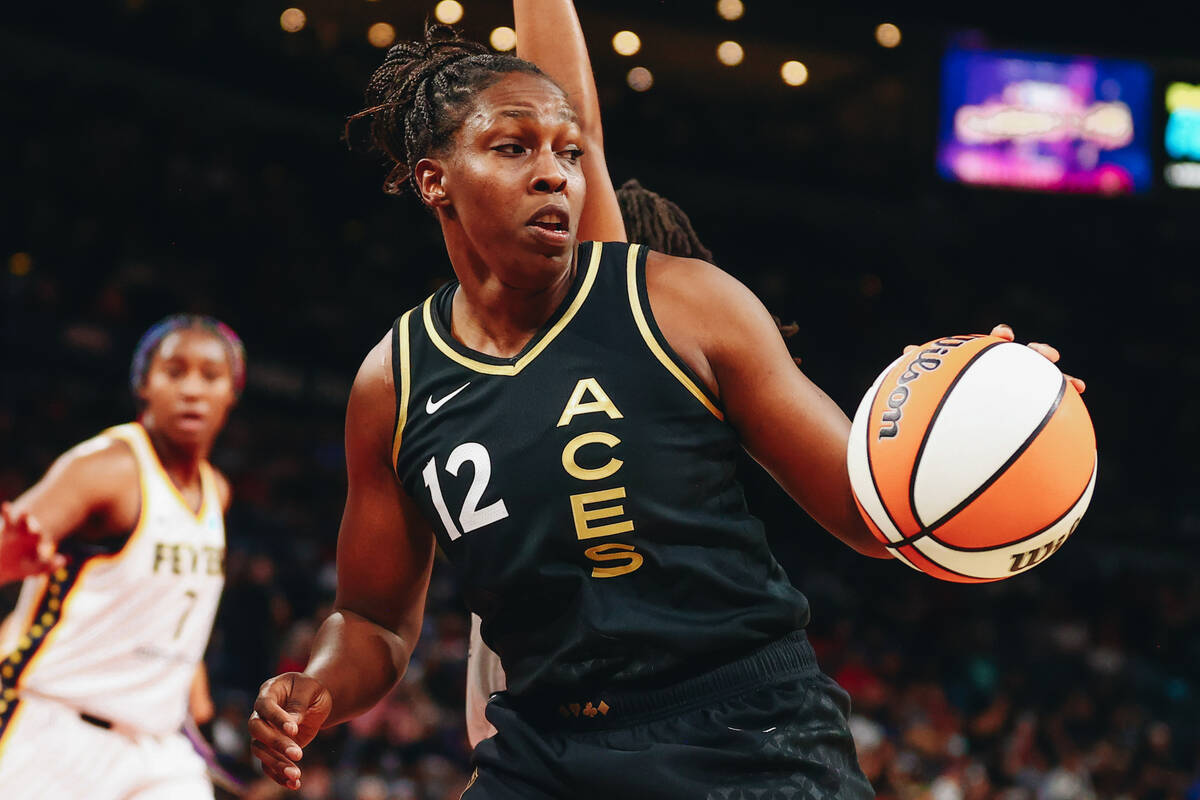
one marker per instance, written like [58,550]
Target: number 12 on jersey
[470,516]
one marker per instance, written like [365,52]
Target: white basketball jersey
[119,634]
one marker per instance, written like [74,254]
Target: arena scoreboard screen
[1181,135]
[1051,123]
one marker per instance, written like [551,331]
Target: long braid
[419,96]
[661,225]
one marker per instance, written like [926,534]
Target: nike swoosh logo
[431,407]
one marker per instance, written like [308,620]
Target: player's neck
[493,316]
[181,462]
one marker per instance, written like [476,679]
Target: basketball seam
[995,476]
[912,478]
[1061,517]
[940,566]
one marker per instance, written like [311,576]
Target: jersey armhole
[134,437]
[639,301]
[401,380]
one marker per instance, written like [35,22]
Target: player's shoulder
[371,409]
[374,375]
[103,468]
[105,455]
[697,285]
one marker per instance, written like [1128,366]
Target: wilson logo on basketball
[927,360]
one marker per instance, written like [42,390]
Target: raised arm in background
[549,35]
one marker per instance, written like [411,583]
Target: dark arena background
[163,156]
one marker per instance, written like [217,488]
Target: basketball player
[550,36]
[122,547]
[564,420]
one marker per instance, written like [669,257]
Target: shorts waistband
[618,708]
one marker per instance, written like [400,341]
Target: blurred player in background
[121,546]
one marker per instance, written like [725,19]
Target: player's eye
[572,154]
[510,148]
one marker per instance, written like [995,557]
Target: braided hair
[656,222]
[421,94]
[661,225]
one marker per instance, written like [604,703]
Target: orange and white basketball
[972,458]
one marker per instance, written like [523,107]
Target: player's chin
[548,243]
[190,432]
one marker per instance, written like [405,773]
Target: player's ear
[431,182]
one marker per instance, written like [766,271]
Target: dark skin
[93,492]
[512,156]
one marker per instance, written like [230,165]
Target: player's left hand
[1050,352]
[25,549]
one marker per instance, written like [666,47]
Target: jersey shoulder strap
[401,376]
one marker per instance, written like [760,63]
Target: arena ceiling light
[503,39]
[730,9]
[794,73]
[381,34]
[448,12]
[887,34]
[640,79]
[292,20]
[730,53]
[626,43]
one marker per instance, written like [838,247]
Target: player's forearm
[358,661]
[549,35]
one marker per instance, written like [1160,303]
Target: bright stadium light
[503,39]
[626,43]
[730,53]
[640,79]
[292,20]
[448,12]
[20,264]
[794,73]
[887,34]
[381,34]
[730,9]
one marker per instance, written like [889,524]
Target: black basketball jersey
[585,490]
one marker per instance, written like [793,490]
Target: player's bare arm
[200,702]
[784,420]
[384,559]
[224,490]
[90,491]
[549,35]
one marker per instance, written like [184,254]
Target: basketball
[972,458]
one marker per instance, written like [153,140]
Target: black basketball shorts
[770,725]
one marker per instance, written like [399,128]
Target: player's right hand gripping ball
[972,458]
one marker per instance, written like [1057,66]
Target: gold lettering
[572,466]
[159,555]
[614,551]
[585,516]
[576,406]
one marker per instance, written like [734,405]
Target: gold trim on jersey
[405,381]
[640,317]
[523,361]
[16,666]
